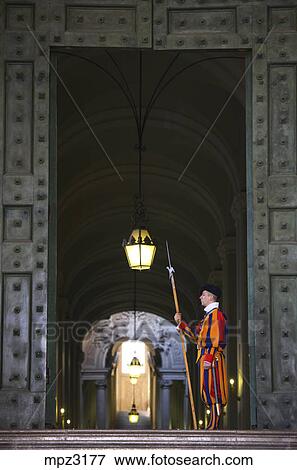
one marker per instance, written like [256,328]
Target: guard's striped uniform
[210,336]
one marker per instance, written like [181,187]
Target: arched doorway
[204,215]
[106,393]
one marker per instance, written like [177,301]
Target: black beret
[215,290]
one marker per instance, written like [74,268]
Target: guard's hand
[207,365]
[178,317]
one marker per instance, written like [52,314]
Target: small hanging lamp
[133,380]
[140,249]
[134,370]
[133,414]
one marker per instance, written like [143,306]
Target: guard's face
[206,298]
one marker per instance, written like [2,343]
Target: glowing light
[133,380]
[135,368]
[140,249]
[68,421]
[232,382]
[62,411]
[208,412]
[133,415]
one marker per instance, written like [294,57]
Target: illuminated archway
[102,359]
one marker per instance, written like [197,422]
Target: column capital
[101,384]
[165,383]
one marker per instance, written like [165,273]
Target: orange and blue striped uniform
[210,337]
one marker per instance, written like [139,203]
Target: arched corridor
[203,215]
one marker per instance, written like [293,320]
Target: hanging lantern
[133,415]
[140,249]
[135,369]
[133,380]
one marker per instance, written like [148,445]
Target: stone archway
[166,350]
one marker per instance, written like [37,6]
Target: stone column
[238,211]
[101,404]
[227,251]
[153,399]
[165,402]
[81,405]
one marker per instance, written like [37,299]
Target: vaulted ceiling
[95,204]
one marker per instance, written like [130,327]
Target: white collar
[211,306]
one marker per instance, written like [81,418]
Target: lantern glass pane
[140,256]
[140,250]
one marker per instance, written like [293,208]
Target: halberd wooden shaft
[182,338]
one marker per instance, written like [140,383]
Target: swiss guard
[210,337]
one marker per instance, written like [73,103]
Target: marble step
[39,439]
